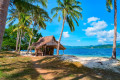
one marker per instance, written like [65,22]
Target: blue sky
[95,28]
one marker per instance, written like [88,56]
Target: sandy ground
[91,62]
[56,68]
[95,62]
[46,74]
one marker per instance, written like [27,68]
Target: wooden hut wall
[49,50]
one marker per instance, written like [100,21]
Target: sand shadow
[71,69]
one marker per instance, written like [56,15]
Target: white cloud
[92,19]
[118,37]
[97,29]
[84,23]
[107,36]
[78,40]
[101,40]
[66,35]
[96,26]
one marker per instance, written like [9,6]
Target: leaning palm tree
[70,10]
[109,7]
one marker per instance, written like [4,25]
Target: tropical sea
[84,52]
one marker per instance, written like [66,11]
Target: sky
[95,28]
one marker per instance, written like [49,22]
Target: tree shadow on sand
[74,70]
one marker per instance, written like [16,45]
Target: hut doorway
[49,50]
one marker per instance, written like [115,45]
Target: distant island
[94,46]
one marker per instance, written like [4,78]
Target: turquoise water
[107,52]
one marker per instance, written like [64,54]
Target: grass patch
[1,74]
[15,67]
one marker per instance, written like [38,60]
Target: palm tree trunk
[58,47]
[30,40]
[17,41]
[3,14]
[20,42]
[115,30]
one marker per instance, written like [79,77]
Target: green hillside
[93,46]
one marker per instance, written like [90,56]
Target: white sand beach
[95,62]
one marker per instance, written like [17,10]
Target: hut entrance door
[49,50]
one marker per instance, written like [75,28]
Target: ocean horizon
[83,52]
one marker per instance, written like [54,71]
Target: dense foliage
[9,39]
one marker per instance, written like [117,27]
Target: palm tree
[25,7]
[3,14]
[109,7]
[21,17]
[21,5]
[13,16]
[70,10]
[38,18]
[23,26]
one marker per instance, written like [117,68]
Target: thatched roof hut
[47,44]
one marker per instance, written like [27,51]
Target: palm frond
[77,13]
[109,5]
[56,9]
[55,15]
[59,18]
[74,18]
[71,11]
[60,3]
[28,31]
[77,8]
[15,29]
[71,24]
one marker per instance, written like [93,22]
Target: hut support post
[56,51]
[45,50]
[63,52]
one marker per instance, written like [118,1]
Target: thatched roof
[47,41]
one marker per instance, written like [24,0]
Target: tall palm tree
[3,14]
[109,7]
[70,10]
